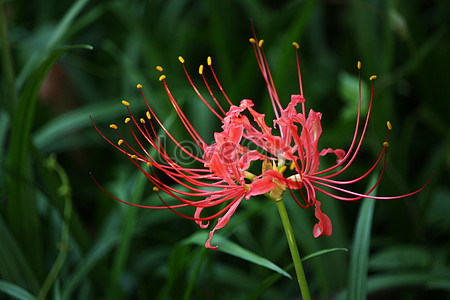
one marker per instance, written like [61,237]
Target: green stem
[301,278]
[65,192]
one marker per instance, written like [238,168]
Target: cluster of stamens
[225,183]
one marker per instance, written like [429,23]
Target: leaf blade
[22,209]
[234,249]
[359,259]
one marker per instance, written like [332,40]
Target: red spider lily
[289,161]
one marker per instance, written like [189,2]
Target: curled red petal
[260,186]
[222,222]
[198,210]
[297,99]
[324,226]
[338,152]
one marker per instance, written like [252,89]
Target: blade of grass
[194,275]
[389,281]
[438,280]
[65,24]
[129,223]
[13,265]
[60,30]
[322,252]
[15,291]
[7,62]
[22,210]
[70,122]
[233,249]
[269,281]
[359,259]
[4,129]
[179,257]
[104,245]
[57,291]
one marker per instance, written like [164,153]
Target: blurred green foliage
[63,238]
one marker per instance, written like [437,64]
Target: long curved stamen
[181,59]
[182,116]
[296,45]
[209,63]
[360,195]
[262,62]
[189,127]
[200,71]
[224,178]
[360,140]
[385,145]
[355,134]
[173,192]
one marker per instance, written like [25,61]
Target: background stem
[7,62]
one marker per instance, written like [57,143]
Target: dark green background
[120,252]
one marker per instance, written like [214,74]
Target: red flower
[288,161]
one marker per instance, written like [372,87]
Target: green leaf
[15,291]
[233,249]
[389,281]
[66,22]
[269,281]
[22,210]
[437,280]
[128,220]
[322,252]
[359,259]
[99,250]
[398,257]
[57,291]
[70,122]
[13,265]
[56,36]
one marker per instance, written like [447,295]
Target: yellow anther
[282,169]
[159,68]
[142,121]
[358,64]
[113,126]
[266,165]
[389,125]
[208,60]
[252,40]
[134,156]
[373,77]
[148,115]
[127,120]
[155,189]
[181,59]
[295,44]
[139,86]
[120,142]
[292,166]
[126,103]
[260,43]
[149,164]
[162,77]
[386,144]
[200,70]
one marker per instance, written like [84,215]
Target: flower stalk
[301,278]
